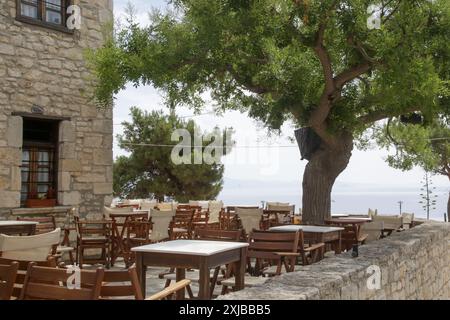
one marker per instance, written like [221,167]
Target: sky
[271,174]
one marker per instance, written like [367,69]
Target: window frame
[41,15]
[33,164]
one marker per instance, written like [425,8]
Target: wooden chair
[352,235]
[93,234]
[181,225]
[121,284]
[374,230]
[161,221]
[200,219]
[8,275]
[310,252]
[29,248]
[270,252]
[137,234]
[48,224]
[124,285]
[22,271]
[43,283]
[408,219]
[390,223]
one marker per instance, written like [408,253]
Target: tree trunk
[448,208]
[320,174]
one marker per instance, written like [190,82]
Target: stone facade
[45,67]
[413,264]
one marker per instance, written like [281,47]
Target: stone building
[55,144]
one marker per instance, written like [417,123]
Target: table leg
[240,270]
[181,274]
[141,271]
[204,281]
[339,244]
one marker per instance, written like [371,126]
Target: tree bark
[448,201]
[320,174]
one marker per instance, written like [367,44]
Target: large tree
[318,63]
[149,170]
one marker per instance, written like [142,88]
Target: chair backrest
[29,248]
[167,206]
[44,283]
[373,230]
[281,206]
[161,221]
[22,271]
[87,228]
[394,222]
[408,218]
[372,213]
[8,275]
[218,235]
[250,218]
[203,204]
[138,229]
[107,211]
[214,207]
[45,224]
[121,284]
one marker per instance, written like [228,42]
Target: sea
[345,199]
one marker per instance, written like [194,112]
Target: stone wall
[45,67]
[414,264]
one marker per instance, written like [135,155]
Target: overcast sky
[367,170]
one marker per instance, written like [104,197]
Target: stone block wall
[413,264]
[47,68]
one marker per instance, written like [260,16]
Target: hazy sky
[367,170]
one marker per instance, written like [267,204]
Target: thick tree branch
[342,79]
[383,114]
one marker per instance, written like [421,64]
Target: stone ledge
[38,211]
[403,258]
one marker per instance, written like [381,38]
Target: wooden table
[339,215]
[118,235]
[195,254]
[13,227]
[316,234]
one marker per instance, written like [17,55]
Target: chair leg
[71,257]
[189,291]
[81,254]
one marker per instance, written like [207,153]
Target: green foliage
[417,145]
[258,56]
[148,170]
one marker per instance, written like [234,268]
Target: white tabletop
[16,223]
[191,247]
[338,215]
[296,227]
[356,218]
